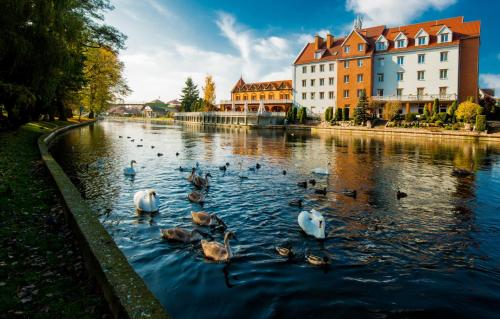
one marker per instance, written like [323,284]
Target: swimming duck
[159,154]
[181,235]
[285,251]
[120,136]
[141,139]
[217,251]
[312,223]
[191,177]
[132,140]
[350,193]
[139,145]
[223,168]
[146,201]
[312,182]
[128,136]
[295,202]
[130,171]
[400,194]
[316,260]
[196,197]
[322,171]
[257,166]
[320,191]
[206,219]
[227,164]
[302,184]
[201,182]
[284,172]
[152,146]
[176,153]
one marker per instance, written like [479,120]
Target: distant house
[174,105]
[126,110]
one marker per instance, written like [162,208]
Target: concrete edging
[126,292]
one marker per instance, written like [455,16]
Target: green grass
[41,269]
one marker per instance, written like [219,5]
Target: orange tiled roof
[241,86]
[460,29]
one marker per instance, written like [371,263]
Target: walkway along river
[432,254]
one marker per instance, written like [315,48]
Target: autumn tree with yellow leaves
[209,93]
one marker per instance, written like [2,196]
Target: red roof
[241,86]
[460,29]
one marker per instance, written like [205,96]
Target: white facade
[315,87]
[440,78]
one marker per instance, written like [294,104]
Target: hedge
[481,123]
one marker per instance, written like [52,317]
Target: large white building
[412,64]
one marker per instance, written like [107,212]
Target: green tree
[435,107]
[190,95]
[104,80]
[451,111]
[392,110]
[302,115]
[329,114]
[338,114]
[361,109]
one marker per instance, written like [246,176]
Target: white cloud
[393,12]
[490,81]
[160,9]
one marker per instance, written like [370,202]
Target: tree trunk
[62,111]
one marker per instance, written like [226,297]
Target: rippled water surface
[435,253]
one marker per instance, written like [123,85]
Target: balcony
[415,98]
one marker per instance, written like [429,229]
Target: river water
[435,253]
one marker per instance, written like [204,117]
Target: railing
[241,102]
[410,97]
[230,113]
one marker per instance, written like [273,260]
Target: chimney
[329,40]
[317,42]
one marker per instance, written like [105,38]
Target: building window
[330,81]
[331,66]
[321,68]
[421,75]
[360,77]
[330,95]
[346,94]
[381,61]
[245,98]
[380,77]
[317,55]
[401,60]
[304,69]
[360,63]
[442,91]
[312,95]
[443,56]
[262,97]
[400,76]
[254,97]
[420,92]
[346,78]
[400,43]
[443,74]
[380,46]
[321,95]
[358,92]
[421,58]
[380,92]
[347,49]
[270,97]
[304,83]
[361,47]
[313,68]
[312,82]
[443,37]
[346,64]
[421,40]
[321,82]
[399,92]
[237,97]
[304,96]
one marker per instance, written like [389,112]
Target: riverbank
[41,267]
[408,132]
[160,120]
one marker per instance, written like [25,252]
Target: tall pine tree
[190,95]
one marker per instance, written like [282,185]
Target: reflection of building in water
[275,96]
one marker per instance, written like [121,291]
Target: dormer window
[421,40]
[381,43]
[401,40]
[318,54]
[400,43]
[444,35]
[380,46]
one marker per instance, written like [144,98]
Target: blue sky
[171,40]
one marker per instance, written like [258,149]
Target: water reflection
[385,251]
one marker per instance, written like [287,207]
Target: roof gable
[401,36]
[444,29]
[421,33]
[354,32]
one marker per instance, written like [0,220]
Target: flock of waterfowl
[311,222]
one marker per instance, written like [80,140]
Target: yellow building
[276,96]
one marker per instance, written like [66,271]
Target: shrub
[345,114]
[480,123]
[302,115]
[391,110]
[338,114]
[435,106]
[452,109]
[442,116]
[426,113]
[410,117]
[467,111]
[328,114]
[439,123]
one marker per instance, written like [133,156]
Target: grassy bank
[41,270]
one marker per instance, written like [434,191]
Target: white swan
[322,171]
[146,201]
[130,171]
[312,223]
